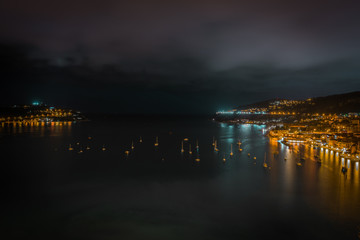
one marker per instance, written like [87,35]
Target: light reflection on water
[41,129]
[238,191]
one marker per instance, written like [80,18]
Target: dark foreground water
[159,193]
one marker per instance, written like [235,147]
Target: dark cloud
[188,54]
[227,33]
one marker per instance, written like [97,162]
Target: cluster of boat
[190,151]
[186,140]
[156,144]
[239,149]
[81,149]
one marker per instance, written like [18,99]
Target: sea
[116,184]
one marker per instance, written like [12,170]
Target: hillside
[340,103]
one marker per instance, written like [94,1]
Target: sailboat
[265,164]
[215,146]
[231,152]
[182,146]
[127,153]
[190,152]
[80,151]
[239,143]
[70,148]
[213,143]
[156,142]
[197,145]
[87,148]
[132,145]
[140,140]
[103,148]
[224,159]
[300,158]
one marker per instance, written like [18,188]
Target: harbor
[111,161]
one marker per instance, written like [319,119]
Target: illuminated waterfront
[162,192]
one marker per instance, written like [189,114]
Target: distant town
[295,122]
[36,114]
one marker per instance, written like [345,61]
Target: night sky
[144,56]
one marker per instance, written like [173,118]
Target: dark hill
[340,103]
[262,104]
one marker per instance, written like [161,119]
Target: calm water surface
[159,193]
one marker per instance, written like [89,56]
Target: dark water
[159,193]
